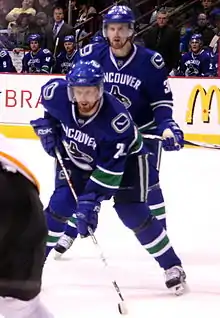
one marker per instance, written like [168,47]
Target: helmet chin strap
[129,38]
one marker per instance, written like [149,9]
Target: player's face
[87,99]
[195,46]
[69,46]
[118,33]
[34,45]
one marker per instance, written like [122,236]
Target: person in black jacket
[164,39]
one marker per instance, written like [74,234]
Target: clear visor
[85,94]
[121,30]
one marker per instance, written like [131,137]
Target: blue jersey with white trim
[138,81]
[39,62]
[99,144]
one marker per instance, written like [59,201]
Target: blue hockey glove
[46,130]
[87,216]
[173,138]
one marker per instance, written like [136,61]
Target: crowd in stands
[188,40]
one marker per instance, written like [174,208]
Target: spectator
[217,24]
[85,11]
[20,30]
[57,30]
[45,6]
[3,12]
[204,29]
[206,7]
[27,7]
[164,39]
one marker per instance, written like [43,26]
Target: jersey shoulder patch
[3,53]
[157,60]
[121,123]
[46,51]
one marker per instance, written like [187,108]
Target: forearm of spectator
[12,15]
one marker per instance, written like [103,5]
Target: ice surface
[79,286]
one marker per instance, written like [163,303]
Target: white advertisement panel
[196,104]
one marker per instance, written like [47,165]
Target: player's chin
[116,45]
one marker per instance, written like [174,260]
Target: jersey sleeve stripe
[109,172]
[105,179]
[20,167]
[163,105]
[104,184]
[169,102]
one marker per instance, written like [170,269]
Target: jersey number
[120,152]
[48,91]
[86,50]
[167,88]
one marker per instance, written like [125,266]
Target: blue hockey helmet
[196,37]
[97,39]
[69,38]
[85,73]
[119,14]
[34,37]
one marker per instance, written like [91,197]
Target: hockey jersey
[195,64]
[41,62]
[12,159]
[139,81]
[6,64]
[99,144]
[64,62]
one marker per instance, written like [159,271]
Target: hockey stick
[186,142]
[121,306]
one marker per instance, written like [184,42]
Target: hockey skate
[175,280]
[64,243]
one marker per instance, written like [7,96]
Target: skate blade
[57,255]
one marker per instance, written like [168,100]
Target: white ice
[79,286]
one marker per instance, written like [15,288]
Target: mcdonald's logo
[206,98]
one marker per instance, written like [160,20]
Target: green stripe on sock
[52,239]
[159,246]
[158,212]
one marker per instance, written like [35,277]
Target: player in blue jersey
[197,61]
[214,54]
[137,77]
[64,60]
[6,64]
[37,60]
[105,156]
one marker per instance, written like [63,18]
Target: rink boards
[196,105]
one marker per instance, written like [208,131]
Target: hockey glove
[46,130]
[87,216]
[173,138]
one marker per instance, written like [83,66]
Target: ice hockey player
[6,64]
[197,61]
[64,60]
[23,235]
[137,77]
[37,60]
[105,157]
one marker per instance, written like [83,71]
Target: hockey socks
[149,232]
